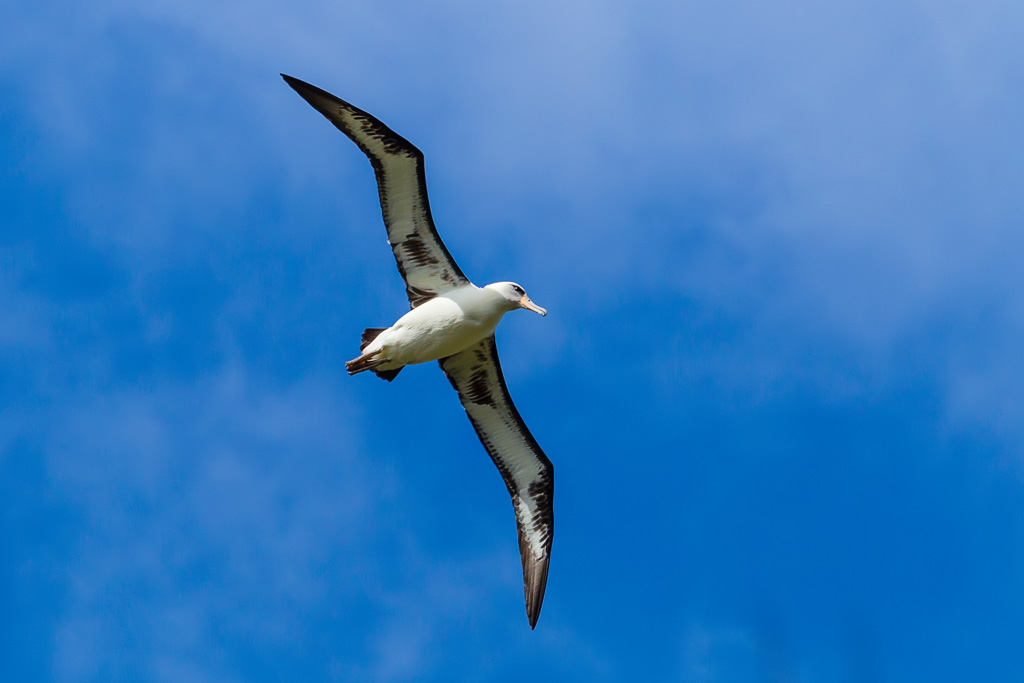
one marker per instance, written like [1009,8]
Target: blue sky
[781,381]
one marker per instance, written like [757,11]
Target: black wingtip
[535,580]
[306,89]
[533,617]
[298,85]
[533,611]
[325,103]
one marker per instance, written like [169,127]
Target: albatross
[451,321]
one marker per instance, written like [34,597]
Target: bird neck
[487,305]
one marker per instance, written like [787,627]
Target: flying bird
[451,321]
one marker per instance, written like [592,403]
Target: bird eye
[519,290]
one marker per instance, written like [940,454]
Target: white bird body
[445,325]
[440,327]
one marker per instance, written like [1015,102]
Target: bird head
[516,296]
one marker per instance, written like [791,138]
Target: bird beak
[530,306]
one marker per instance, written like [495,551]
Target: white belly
[437,329]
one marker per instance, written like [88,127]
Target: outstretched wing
[528,474]
[423,260]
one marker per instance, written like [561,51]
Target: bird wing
[528,474]
[424,262]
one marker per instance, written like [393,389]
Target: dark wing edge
[530,477]
[423,260]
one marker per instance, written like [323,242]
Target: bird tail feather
[369,334]
[367,361]
[372,360]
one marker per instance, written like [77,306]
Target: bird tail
[388,374]
[369,334]
[370,361]
[367,361]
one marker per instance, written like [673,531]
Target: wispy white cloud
[209,509]
[851,136]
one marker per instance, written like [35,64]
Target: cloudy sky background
[781,381]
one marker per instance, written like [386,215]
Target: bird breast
[441,327]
